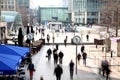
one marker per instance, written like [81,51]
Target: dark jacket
[58,70]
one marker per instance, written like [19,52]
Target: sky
[46,3]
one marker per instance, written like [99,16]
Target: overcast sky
[44,3]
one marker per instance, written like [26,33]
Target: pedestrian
[87,37]
[31,69]
[84,55]
[41,78]
[54,52]
[58,72]
[43,32]
[65,42]
[60,57]
[53,39]
[78,57]
[55,58]
[82,49]
[57,46]
[71,67]
[48,38]
[49,52]
[107,73]
[104,66]
[111,53]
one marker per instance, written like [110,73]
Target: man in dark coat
[84,58]
[49,52]
[48,38]
[78,57]
[71,66]
[82,49]
[60,57]
[55,58]
[87,37]
[58,72]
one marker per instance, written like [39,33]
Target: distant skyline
[47,3]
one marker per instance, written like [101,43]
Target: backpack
[31,67]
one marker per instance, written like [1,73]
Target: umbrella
[11,57]
[8,66]
[14,50]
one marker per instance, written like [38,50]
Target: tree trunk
[116,31]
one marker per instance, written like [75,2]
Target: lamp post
[76,41]
[53,37]
[81,34]
[106,44]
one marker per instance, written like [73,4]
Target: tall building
[46,14]
[25,3]
[85,11]
[8,5]
[12,5]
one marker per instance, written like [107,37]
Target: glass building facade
[13,20]
[52,14]
[86,11]
[25,3]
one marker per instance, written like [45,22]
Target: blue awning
[14,50]
[8,66]
[11,57]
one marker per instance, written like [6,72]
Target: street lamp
[76,41]
[53,37]
[81,34]
[106,45]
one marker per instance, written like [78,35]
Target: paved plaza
[45,68]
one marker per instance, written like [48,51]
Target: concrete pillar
[85,18]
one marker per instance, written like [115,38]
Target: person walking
[104,66]
[48,38]
[107,73]
[60,56]
[55,58]
[84,55]
[31,69]
[87,37]
[57,46]
[49,52]
[65,41]
[41,78]
[71,66]
[58,72]
[78,57]
[82,49]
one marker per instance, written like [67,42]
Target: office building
[85,11]
[8,5]
[46,14]
[25,3]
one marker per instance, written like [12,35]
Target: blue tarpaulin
[14,50]
[10,58]
[8,66]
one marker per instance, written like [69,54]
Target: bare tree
[24,12]
[110,11]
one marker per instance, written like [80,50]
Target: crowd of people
[58,60]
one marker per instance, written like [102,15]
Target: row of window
[89,20]
[7,7]
[88,14]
